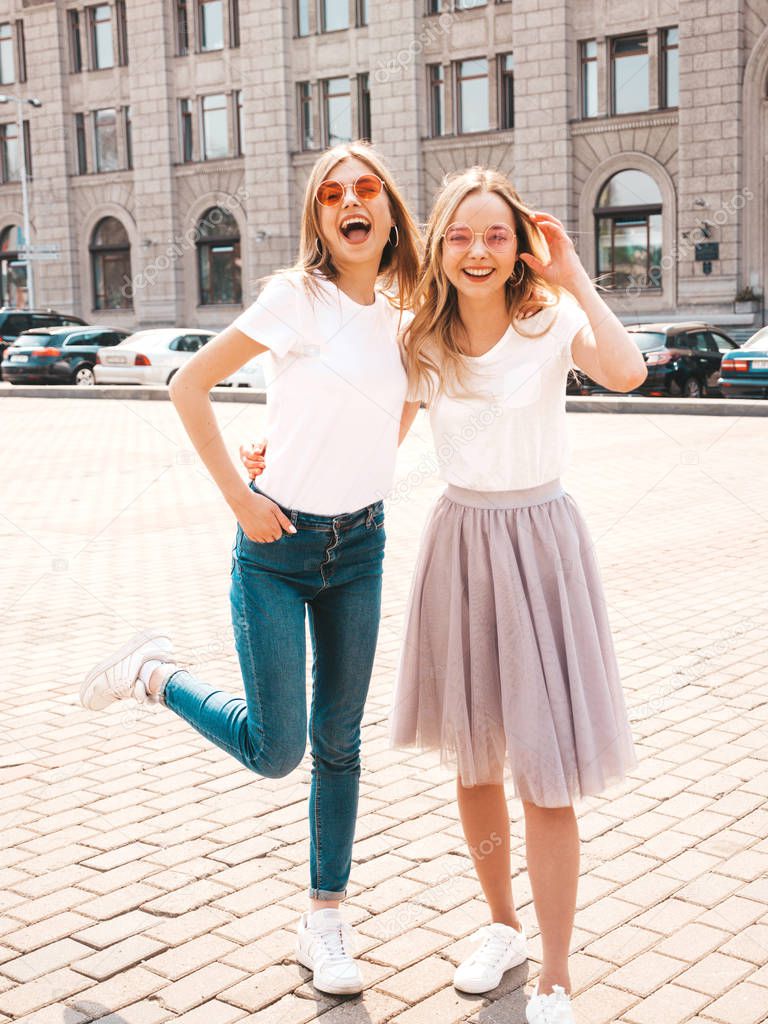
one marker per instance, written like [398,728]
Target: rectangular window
[302,17]
[629,61]
[669,93]
[234,23]
[239,125]
[182,29]
[128,130]
[434,6]
[122,33]
[364,106]
[185,133]
[80,145]
[102,46]
[75,45]
[215,142]
[436,100]
[361,12]
[337,111]
[105,139]
[334,15]
[589,78]
[27,148]
[306,126]
[506,91]
[7,63]
[211,24]
[21,52]
[468,5]
[472,92]
[9,152]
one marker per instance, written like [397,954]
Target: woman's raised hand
[564,266]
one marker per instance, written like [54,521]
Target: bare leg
[552,853]
[485,820]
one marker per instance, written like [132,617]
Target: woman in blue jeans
[310,538]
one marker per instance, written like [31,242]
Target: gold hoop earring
[319,247]
[397,236]
[522,274]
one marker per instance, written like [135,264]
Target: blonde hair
[399,266]
[431,344]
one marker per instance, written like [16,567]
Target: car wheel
[84,377]
[171,375]
[692,388]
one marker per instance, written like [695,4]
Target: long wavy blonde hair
[431,346]
[399,266]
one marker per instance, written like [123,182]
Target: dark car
[745,375]
[57,355]
[682,360]
[14,322]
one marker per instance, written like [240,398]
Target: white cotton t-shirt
[512,434]
[335,392]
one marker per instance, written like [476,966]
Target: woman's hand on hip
[261,519]
[253,457]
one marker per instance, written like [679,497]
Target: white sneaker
[323,945]
[503,947]
[554,1008]
[117,677]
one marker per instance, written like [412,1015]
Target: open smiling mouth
[477,273]
[355,229]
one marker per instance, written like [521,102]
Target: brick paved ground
[146,877]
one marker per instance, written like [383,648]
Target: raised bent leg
[266,731]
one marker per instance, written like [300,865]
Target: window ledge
[615,122]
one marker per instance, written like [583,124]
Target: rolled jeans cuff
[324,894]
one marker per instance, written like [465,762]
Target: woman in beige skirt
[508,666]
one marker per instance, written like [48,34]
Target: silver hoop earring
[517,281]
[397,236]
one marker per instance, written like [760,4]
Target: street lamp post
[33,102]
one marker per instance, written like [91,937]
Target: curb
[573,403]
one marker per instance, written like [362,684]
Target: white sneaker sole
[476,990]
[89,691]
[352,988]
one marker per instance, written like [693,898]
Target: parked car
[150,357]
[153,356]
[682,359]
[58,355]
[14,322]
[745,375]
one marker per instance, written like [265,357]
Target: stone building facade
[174,139]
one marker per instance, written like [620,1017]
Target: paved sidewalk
[146,877]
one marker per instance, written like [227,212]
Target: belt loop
[294,516]
[369,518]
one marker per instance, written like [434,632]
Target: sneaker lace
[555,1006]
[493,948]
[336,943]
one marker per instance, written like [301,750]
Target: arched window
[111,265]
[13,272]
[628,229]
[218,258]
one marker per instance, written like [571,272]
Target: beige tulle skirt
[508,666]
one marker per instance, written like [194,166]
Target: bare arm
[605,350]
[406,419]
[189,390]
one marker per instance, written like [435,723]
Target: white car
[153,356]
[149,357]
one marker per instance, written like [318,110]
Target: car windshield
[647,340]
[759,340]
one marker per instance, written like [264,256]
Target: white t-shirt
[335,392]
[513,433]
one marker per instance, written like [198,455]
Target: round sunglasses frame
[353,186]
[483,234]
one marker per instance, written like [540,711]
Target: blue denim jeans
[331,569]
